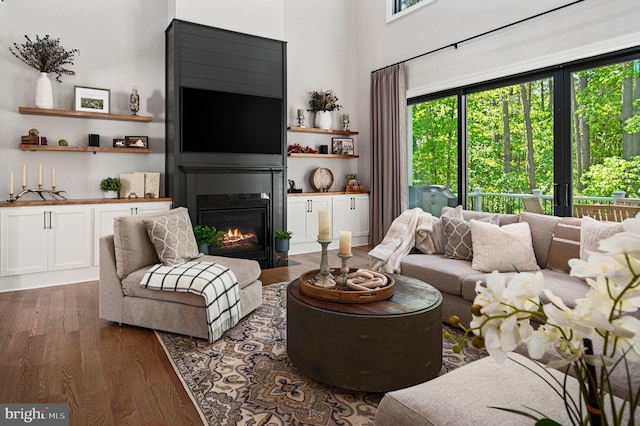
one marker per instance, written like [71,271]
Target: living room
[330,45]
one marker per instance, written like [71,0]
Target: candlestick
[324,278]
[300,118]
[11,185]
[40,175]
[345,242]
[324,224]
[53,177]
[24,176]
[344,269]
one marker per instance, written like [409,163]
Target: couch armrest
[111,296]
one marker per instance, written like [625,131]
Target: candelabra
[324,278]
[55,194]
[344,269]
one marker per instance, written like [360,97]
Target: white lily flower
[627,330]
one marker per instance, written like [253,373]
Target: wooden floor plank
[54,348]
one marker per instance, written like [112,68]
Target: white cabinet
[46,238]
[302,217]
[104,214]
[349,212]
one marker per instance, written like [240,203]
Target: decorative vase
[44,93]
[323,119]
[110,194]
[203,248]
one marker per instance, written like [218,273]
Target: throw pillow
[592,231]
[172,236]
[437,235]
[565,245]
[457,237]
[503,249]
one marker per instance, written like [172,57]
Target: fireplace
[244,219]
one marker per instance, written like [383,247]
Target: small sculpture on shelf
[300,117]
[134,101]
[345,122]
[292,187]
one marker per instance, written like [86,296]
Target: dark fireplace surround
[220,188]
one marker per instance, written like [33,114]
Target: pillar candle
[40,174]
[53,176]
[324,224]
[11,184]
[345,242]
[299,113]
[24,175]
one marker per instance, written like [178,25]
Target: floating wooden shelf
[316,130]
[309,155]
[83,114]
[94,149]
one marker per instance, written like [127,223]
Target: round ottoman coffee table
[375,347]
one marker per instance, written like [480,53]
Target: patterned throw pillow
[457,237]
[592,231]
[172,236]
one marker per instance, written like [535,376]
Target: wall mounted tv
[215,121]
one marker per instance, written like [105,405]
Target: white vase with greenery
[44,92]
[323,102]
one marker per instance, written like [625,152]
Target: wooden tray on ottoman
[341,293]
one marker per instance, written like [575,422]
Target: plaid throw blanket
[215,282]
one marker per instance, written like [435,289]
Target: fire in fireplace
[244,218]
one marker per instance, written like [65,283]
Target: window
[399,8]
[570,134]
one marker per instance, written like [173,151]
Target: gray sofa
[127,254]
[456,279]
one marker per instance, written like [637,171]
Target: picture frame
[136,141]
[342,146]
[92,99]
[119,143]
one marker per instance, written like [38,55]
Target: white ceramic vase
[323,119]
[110,194]
[44,93]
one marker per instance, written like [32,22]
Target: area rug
[246,378]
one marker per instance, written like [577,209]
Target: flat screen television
[215,121]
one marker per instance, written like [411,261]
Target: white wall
[121,45]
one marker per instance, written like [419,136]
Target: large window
[567,134]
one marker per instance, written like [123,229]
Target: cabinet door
[316,203]
[23,241]
[297,208]
[342,214]
[360,215]
[103,223]
[69,238]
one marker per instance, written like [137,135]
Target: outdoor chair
[532,205]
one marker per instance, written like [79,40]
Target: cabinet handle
[44,220]
[50,220]
[353,203]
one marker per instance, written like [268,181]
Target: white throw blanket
[411,229]
[217,283]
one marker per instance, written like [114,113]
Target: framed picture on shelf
[91,99]
[119,143]
[136,141]
[343,146]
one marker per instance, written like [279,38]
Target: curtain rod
[455,45]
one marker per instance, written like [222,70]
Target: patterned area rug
[246,378]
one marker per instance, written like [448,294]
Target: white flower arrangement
[502,315]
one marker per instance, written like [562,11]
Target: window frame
[561,75]
[392,12]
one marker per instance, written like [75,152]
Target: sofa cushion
[458,238]
[246,271]
[503,249]
[565,245]
[437,233]
[542,227]
[133,248]
[173,238]
[592,231]
[444,274]
[498,218]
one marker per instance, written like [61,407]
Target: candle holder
[345,124]
[55,194]
[301,120]
[324,278]
[344,269]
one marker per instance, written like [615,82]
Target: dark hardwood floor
[54,348]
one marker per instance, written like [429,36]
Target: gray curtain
[389,169]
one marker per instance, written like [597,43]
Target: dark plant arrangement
[283,235]
[208,234]
[110,184]
[323,101]
[45,55]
